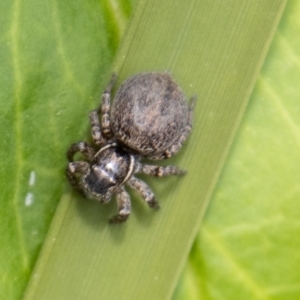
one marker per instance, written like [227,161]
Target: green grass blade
[214,50]
[248,245]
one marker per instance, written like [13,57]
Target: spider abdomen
[149,113]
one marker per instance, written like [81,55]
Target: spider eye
[99,182]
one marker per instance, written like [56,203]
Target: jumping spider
[150,119]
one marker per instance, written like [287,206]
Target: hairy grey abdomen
[149,113]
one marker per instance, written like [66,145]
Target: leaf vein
[62,52]
[14,32]
[218,244]
[285,114]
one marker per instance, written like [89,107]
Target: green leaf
[213,49]
[54,55]
[248,245]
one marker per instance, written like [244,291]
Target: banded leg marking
[160,171]
[105,108]
[124,207]
[72,169]
[81,147]
[144,190]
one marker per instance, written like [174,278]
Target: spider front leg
[78,167]
[124,207]
[143,189]
[81,147]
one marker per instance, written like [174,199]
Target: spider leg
[78,167]
[101,133]
[159,171]
[185,133]
[105,107]
[143,189]
[97,136]
[124,207]
[81,147]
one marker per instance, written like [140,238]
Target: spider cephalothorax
[149,118]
